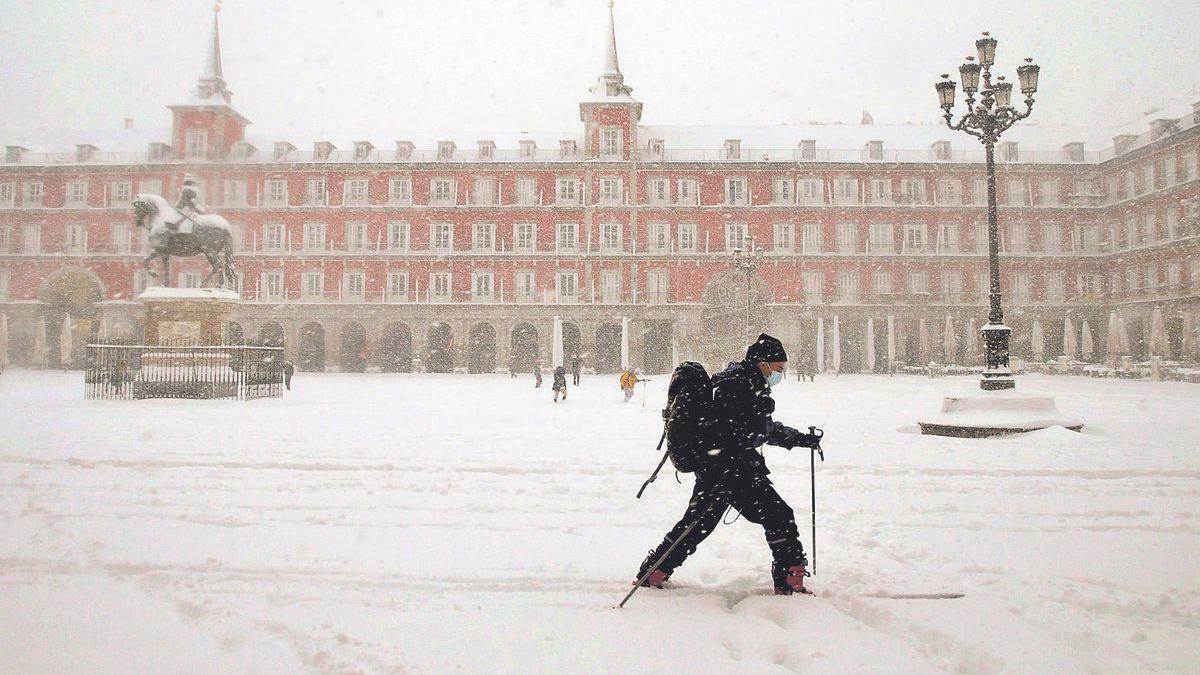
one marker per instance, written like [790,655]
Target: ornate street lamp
[747,261]
[986,119]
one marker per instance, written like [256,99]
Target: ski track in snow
[398,524]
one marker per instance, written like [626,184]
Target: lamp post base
[997,382]
[978,415]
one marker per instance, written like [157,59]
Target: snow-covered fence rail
[182,370]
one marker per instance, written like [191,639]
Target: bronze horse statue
[209,235]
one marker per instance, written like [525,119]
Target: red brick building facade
[458,252]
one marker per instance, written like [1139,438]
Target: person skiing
[560,383]
[629,380]
[187,206]
[576,368]
[736,474]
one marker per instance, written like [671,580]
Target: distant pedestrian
[560,383]
[576,368]
[629,380]
[537,374]
[512,367]
[288,370]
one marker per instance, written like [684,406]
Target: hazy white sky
[522,65]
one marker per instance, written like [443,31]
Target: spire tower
[206,125]
[611,114]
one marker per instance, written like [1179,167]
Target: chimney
[243,150]
[487,149]
[567,148]
[1073,151]
[941,151]
[446,150]
[14,153]
[528,149]
[281,150]
[733,148]
[808,148]
[874,149]
[1009,151]
[1123,142]
[404,150]
[128,122]
[84,152]
[159,152]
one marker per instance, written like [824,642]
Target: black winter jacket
[742,399]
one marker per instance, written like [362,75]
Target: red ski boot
[791,581]
[656,579]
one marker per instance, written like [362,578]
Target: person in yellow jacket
[629,380]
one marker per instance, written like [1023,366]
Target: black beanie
[766,349]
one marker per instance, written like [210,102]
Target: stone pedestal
[195,315]
[977,414]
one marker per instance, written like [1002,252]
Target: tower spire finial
[212,80]
[611,83]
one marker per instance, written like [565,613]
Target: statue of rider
[187,206]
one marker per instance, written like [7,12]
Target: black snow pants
[754,497]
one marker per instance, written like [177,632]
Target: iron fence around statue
[180,369]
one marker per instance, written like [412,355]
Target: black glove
[803,440]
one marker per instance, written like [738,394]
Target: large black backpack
[692,427]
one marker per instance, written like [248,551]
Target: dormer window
[445,151]
[733,148]
[528,149]
[566,149]
[84,152]
[404,150]
[322,150]
[281,150]
[1009,152]
[808,149]
[243,150]
[941,151]
[13,154]
[1073,152]
[874,149]
[487,150]
[655,148]
[1123,143]
[362,150]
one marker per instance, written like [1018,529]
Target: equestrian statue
[186,230]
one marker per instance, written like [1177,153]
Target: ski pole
[812,467]
[658,468]
[658,562]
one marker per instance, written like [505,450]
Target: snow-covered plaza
[371,523]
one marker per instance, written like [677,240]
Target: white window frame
[356,191]
[6,238]
[31,238]
[810,238]
[275,191]
[271,288]
[120,193]
[195,144]
[35,194]
[810,191]
[121,237]
[658,286]
[400,191]
[483,286]
[914,237]
[75,239]
[848,286]
[526,191]
[566,191]
[784,239]
[847,238]
[483,237]
[918,282]
[881,282]
[658,191]
[882,238]
[8,195]
[398,236]
[845,191]
[441,288]
[525,285]
[233,192]
[952,286]
[443,191]
[278,241]
[735,235]
[566,286]
[356,236]
[1022,287]
[611,240]
[316,191]
[736,191]
[1018,238]
[783,190]
[610,287]
[525,237]
[441,238]
[948,237]
[687,237]
[316,234]
[5,281]
[566,237]
[1056,286]
[77,193]
[658,237]
[312,285]
[813,283]
[611,190]
[354,285]
[612,142]
[1052,238]
[688,192]
[397,286]
[483,191]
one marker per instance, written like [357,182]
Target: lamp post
[747,261]
[986,119]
